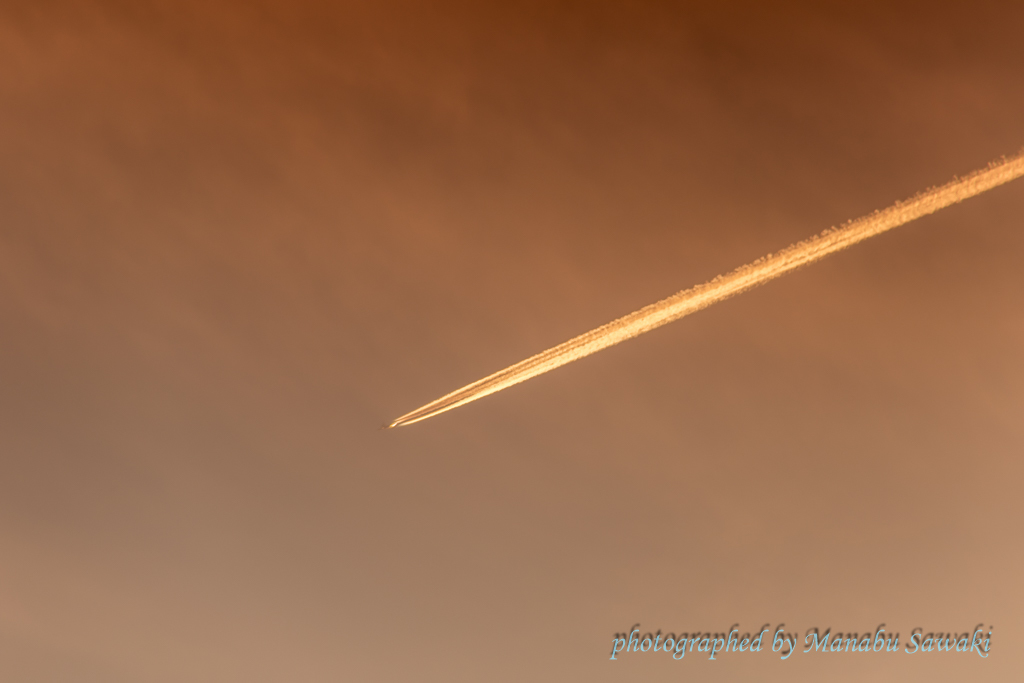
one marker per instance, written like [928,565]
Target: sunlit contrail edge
[724,286]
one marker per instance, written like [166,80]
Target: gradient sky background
[236,238]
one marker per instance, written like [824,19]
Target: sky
[237,238]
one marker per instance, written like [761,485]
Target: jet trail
[724,286]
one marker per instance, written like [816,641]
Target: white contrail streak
[724,286]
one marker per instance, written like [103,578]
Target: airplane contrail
[724,286]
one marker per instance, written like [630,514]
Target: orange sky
[237,238]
